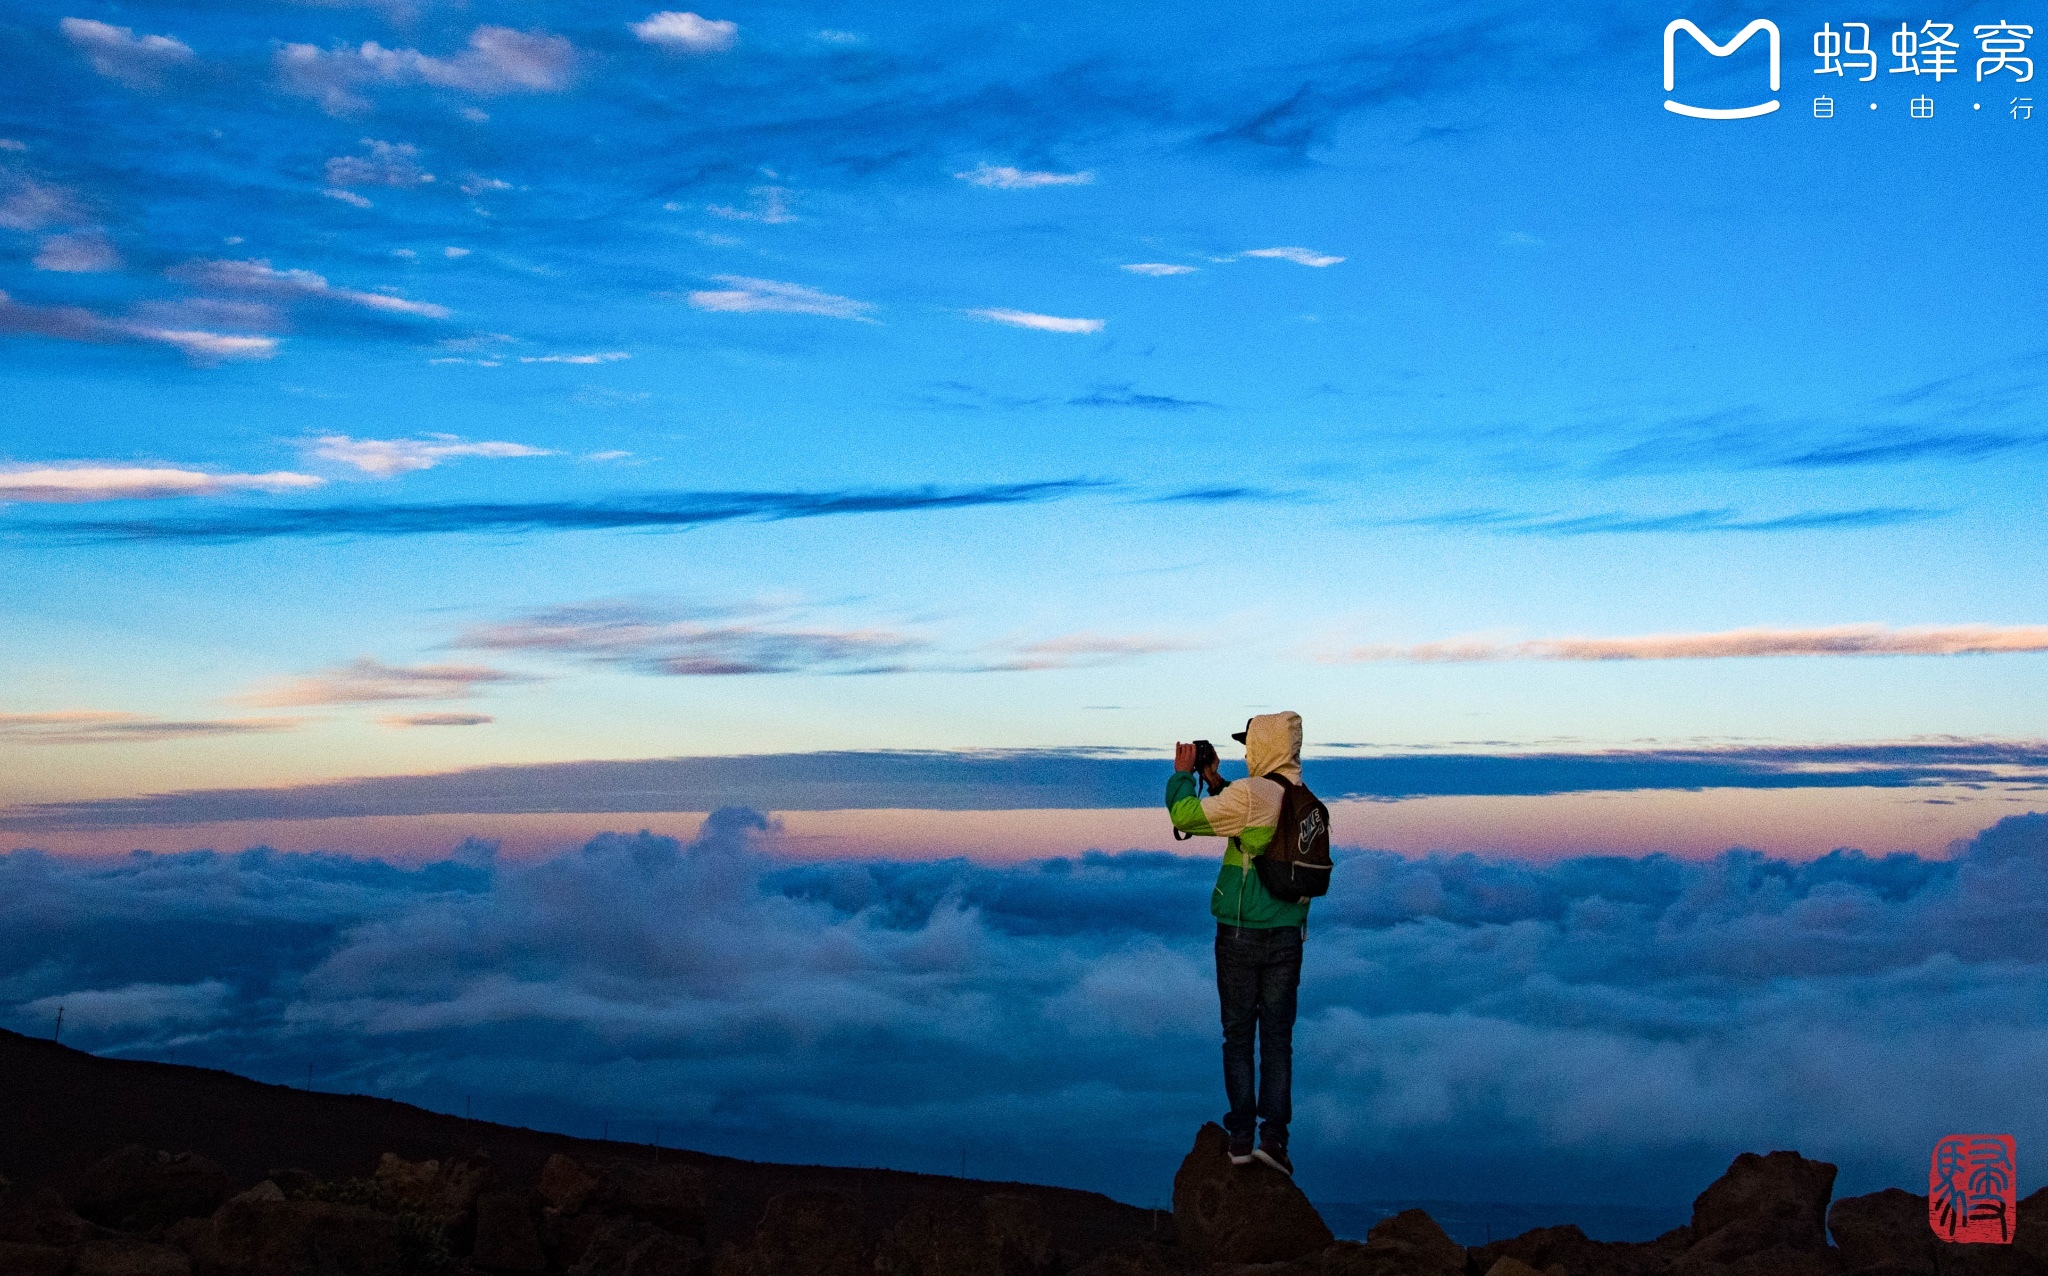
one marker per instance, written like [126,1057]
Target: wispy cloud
[671,511]
[498,60]
[388,164]
[1158,269]
[1123,396]
[686,32]
[690,648]
[369,681]
[607,356]
[1511,523]
[771,207]
[119,54]
[97,726]
[76,323]
[388,458]
[1299,256]
[745,295]
[403,720]
[90,481]
[1085,650]
[260,278]
[85,252]
[1043,323]
[1005,178]
[28,204]
[1733,644]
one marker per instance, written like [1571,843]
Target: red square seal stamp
[1972,1187]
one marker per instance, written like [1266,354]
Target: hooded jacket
[1248,813]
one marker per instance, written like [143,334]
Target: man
[1258,937]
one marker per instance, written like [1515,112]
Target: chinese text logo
[1972,1183]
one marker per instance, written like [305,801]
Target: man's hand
[1183,756]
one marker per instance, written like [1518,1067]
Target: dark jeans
[1257,973]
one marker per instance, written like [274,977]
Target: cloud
[119,54]
[1299,256]
[86,481]
[1087,650]
[675,511]
[686,32]
[608,356]
[388,164]
[369,681]
[748,295]
[498,60]
[99,726]
[32,205]
[1158,269]
[771,207]
[87,252]
[1043,323]
[688,648]
[1686,522]
[259,277]
[830,36]
[75,323]
[388,458]
[1495,1027]
[1123,396]
[435,719]
[1005,178]
[1039,779]
[348,197]
[1733,644]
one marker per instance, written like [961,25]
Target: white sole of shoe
[1261,1154]
[1240,1160]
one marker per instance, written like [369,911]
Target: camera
[1205,758]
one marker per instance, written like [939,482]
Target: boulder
[39,1216]
[1415,1236]
[1510,1266]
[1137,1258]
[1224,1213]
[439,1190]
[1349,1258]
[998,1235]
[1883,1229]
[506,1238]
[125,1257]
[137,1190]
[630,1247]
[290,1238]
[33,1260]
[1567,1250]
[1761,1203]
[670,1197]
[802,1234]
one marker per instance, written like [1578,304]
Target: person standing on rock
[1258,935]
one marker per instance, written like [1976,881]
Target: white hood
[1272,742]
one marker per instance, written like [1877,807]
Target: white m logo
[1719,51]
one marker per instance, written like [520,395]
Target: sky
[431,427]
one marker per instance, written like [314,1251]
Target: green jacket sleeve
[1185,805]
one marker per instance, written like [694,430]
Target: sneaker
[1241,1150]
[1275,1155]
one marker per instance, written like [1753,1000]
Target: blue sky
[439,439]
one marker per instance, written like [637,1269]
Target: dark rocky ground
[121,1168]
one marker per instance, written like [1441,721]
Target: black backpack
[1296,864]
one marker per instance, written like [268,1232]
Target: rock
[669,1196]
[1571,1252]
[123,1257]
[1224,1213]
[294,1183]
[39,1217]
[1139,1258]
[506,1238]
[995,1236]
[1415,1235]
[1510,1266]
[802,1234]
[264,1191]
[1762,1202]
[137,1190]
[1887,1228]
[441,1190]
[629,1247]
[292,1238]
[566,1184]
[33,1260]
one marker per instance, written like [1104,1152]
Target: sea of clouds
[1599,1029]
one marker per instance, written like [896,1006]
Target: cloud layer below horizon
[1601,1028]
